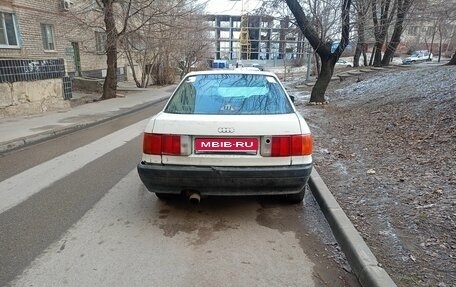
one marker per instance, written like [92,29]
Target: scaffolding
[245,48]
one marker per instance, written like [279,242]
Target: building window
[8,31]
[100,42]
[265,24]
[47,32]
[224,34]
[225,24]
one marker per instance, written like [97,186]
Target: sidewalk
[16,132]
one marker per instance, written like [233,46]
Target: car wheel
[296,197]
[165,196]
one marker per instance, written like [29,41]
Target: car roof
[234,72]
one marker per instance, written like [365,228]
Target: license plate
[236,145]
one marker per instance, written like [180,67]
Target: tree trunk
[371,59]
[365,54]
[432,43]
[317,66]
[324,77]
[402,9]
[453,59]
[360,50]
[321,46]
[110,83]
[361,41]
[380,28]
[361,23]
[357,55]
[378,54]
[440,43]
[133,72]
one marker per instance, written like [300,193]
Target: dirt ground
[386,147]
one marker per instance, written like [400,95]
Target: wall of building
[29,15]
[68,28]
[25,98]
[30,81]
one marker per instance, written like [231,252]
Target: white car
[418,56]
[248,69]
[227,133]
[344,63]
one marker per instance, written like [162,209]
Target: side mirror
[292,98]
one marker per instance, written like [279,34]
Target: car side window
[183,101]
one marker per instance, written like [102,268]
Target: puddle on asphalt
[312,230]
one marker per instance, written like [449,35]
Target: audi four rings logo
[226,130]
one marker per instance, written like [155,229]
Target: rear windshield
[244,94]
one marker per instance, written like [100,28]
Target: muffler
[194,198]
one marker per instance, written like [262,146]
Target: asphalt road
[73,212]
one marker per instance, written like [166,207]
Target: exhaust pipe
[194,198]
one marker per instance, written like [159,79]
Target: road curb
[41,137]
[359,256]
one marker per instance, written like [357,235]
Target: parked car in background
[222,133]
[344,63]
[248,68]
[418,56]
[220,64]
[260,67]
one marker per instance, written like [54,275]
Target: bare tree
[145,44]
[453,59]
[112,36]
[403,7]
[322,46]
[132,25]
[193,42]
[118,13]
[120,18]
[384,13]
[362,10]
[382,16]
[441,15]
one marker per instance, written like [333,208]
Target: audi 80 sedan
[227,133]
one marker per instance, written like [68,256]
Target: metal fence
[30,70]
[67,88]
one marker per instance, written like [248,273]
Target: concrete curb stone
[359,256]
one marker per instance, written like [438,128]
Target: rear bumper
[215,180]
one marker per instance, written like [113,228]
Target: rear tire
[165,196]
[296,197]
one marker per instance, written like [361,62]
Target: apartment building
[43,45]
[426,35]
[252,37]
[55,29]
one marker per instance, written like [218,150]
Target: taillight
[171,144]
[301,144]
[152,143]
[294,145]
[280,146]
[159,144]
